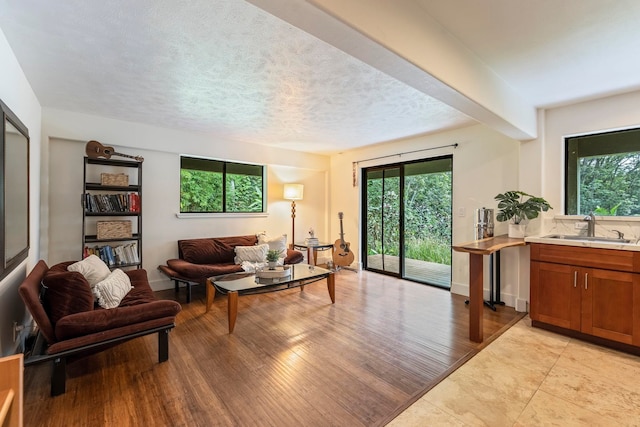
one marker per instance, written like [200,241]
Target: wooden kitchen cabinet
[592,291]
[554,299]
[611,305]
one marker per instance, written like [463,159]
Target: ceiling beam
[402,40]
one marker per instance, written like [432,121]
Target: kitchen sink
[587,239]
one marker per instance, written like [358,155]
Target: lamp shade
[293,191]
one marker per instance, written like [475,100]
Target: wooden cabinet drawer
[608,259]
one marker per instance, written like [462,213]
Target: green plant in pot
[272,258]
[519,207]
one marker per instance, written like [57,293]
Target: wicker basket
[114,229]
[117,179]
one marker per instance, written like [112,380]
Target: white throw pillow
[257,253]
[110,291]
[278,243]
[92,268]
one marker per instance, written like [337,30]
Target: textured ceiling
[233,71]
[223,67]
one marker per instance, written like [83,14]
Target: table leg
[331,285]
[475,297]
[310,255]
[232,309]
[211,294]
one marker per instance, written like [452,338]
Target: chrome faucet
[591,224]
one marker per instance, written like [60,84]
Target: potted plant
[272,258]
[519,207]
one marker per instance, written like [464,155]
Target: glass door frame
[363,231]
[364,208]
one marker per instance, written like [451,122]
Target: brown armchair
[69,324]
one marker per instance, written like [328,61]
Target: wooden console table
[476,250]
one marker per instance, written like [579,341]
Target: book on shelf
[107,203]
[114,256]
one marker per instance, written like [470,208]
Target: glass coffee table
[247,284]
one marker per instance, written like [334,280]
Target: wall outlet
[462,212]
[580,225]
[16,330]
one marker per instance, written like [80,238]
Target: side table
[312,250]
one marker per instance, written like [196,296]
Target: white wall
[17,94]
[485,163]
[67,134]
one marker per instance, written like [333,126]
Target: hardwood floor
[293,359]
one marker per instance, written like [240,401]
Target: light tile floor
[532,377]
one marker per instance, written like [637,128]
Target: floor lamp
[293,192]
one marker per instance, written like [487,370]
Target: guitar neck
[138,158]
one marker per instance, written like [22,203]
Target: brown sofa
[62,304]
[199,259]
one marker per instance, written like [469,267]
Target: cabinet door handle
[586,280]
[575,279]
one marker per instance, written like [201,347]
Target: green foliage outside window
[216,186]
[610,185]
[244,193]
[200,191]
[603,173]
[428,217]
[427,214]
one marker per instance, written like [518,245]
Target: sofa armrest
[293,257]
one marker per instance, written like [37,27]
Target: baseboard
[522,305]
[459,289]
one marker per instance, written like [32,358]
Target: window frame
[590,145]
[224,164]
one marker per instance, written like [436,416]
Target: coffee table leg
[232,309]
[211,294]
[331,285]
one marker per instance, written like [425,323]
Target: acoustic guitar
[342,254]
[95,150]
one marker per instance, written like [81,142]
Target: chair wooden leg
[59,376]
[163,346]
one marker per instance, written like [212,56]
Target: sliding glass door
[408,220]
[383,219]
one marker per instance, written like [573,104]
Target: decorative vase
[272,265]
[517,230]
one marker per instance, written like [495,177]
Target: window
[603,174]
[208,185]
